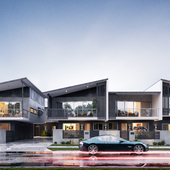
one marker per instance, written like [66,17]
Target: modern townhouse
[89,109]
[21,105]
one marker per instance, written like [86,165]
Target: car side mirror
[121,141]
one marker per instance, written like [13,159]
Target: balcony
[71,113]
[138,112]
[13,113]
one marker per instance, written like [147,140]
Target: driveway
[36,144]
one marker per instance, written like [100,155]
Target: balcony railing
[66,113]
[138,112]
[13,113]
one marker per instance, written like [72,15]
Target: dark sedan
[111,143]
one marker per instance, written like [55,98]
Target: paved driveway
[36,144]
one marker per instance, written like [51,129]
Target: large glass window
[81,108]
[70,126]
[135,109]
[10,109]
[140,126]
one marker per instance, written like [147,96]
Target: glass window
[166,127]
[35,111]
[5,126]
[70,126]
[112,126]
[98,126]
[31,110]
[140,126]
[120,105]
[108,138]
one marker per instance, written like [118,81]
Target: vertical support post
[22,98]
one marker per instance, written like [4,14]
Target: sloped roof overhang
[136,93]
[19,83]
[71,89]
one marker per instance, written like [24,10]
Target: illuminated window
[140,126]
[35,111]
[31,110]
[70,126]
[5,126]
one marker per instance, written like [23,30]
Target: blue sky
[66,42]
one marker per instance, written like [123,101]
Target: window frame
[98,126]
[112,126]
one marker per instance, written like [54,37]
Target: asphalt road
[83,159]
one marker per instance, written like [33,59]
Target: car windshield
[108,138]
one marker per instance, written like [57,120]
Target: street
[84,159]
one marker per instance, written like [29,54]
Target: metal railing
[13,113]
[65,113]
[137,112]
[147,134]
[73,134]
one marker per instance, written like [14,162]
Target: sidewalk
[36,144]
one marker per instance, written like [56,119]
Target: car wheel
[93,149]
[138,148]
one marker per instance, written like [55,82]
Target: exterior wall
[112,106]
[157,87]
[2,136]
[165,135]
[156,103]
[35,118]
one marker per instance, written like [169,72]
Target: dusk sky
[59,43]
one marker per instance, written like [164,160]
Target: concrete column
[57,135]
[131,135]
[165,136]
[2,136]
[86,134]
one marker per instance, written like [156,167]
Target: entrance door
[124,132]
[37,131]
[87,126]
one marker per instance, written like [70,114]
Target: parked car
[111,143]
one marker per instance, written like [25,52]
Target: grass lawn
[63,145]
[64,149]
[159,149]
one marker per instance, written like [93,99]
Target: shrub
[162,142]
[48,134]
[159,143]
[43,133]
[55,142]
[71,142]
[155,143]
[80,139]
[136,139]
[68,142]
[62,142]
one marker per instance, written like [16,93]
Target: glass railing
[138,112]
[13,113]
[65,113]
